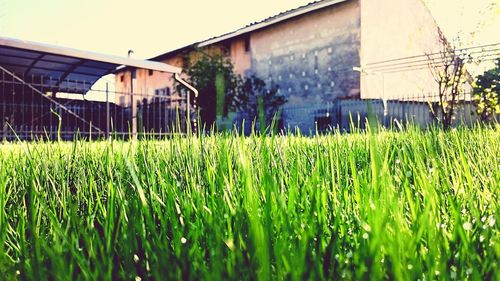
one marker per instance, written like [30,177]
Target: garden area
[404,205]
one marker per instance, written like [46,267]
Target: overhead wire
[471,56]
[434,64]
[431,54]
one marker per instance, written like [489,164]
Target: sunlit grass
[389,205]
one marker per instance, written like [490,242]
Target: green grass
[388,205]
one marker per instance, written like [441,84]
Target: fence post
[107,111]
[188,113]
[133,105]
[385,106]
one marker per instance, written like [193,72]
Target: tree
[261,102]
[487,93]
[221,90]
[207,74]
[448,69]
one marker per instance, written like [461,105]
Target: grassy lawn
[388,205]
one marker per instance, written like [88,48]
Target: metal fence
[343,114]
[30,109]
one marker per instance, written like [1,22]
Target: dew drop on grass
[491,221]
[467,226]
[372,206]
[367,227]
[481,238]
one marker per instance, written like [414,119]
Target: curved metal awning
[65,69]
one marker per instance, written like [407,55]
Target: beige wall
[144,85]
[393,29]
[240,57]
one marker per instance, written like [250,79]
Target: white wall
[392,29]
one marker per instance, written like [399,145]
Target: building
[318,54]
[44,95]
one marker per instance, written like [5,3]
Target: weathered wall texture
[311,57]
[396,29]
[240,56]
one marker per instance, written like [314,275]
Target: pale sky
[152,27]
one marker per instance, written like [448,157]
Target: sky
[152,27]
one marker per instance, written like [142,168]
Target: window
[121,78]
[150,72]
[163,92]
[247,43]
[185,61]
[226,48]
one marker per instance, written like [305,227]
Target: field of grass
[389,205]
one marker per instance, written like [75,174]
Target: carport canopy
[66,69]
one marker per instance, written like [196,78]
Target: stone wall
[310,58]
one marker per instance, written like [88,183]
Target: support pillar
[133,106]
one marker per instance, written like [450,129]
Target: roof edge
[294,13]
[80,54]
